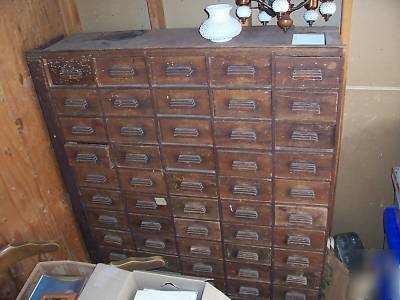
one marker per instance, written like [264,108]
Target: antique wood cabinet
[220,157]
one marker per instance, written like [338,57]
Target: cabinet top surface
[251,37]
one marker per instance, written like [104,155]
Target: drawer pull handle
[294,279]
[101,200]
[307,136]
[202,268]
[246,235]
[194,209]
[182,103]
[197,230]
[249,291]
[312,74]
[246,214]
[179,70]
[108,220]
[86,157]
[300,219]
[313,107]
[82,130]
[112,239]
[143,204]
[300,167]
[154,244]
[247,255]
[243,135]
[302,193]
[148,225]
[248,273]
[186,132]
[299,240]
[131,131]
[71,72]
[244,165]
[298,261]
[114,256]
[242,104]
[245,190]
[121,71]
[295,296]
[190,159]
[191,186]
[125,103]
[96,178]
[200,250]
[147,182]
[80,103]
[240,70]
[137,158]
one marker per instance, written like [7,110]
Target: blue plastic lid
[391,223]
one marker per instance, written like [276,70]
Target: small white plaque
[308,39]
[160,201]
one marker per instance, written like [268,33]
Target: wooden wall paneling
[156,14]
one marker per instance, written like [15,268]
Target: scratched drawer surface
[71,71]
[151,225]
[96,178]
[142,181]
[198,229]
[96,156]
[79,102]
[200,248]
[155,243]
[202,267]
[297,278]
[185,131]
[108,254]
[246,212]
[190,184]
[248,289]
[88,130]
[106,199]
[195,208]
[297,238]
[294,293]
[107,219]
[301,216]
[247,254]
[148,204]
[190,158]
[247,234]
[136,156]
[113,238]
[248,272]
[300,260]
[251,189]
[132,130]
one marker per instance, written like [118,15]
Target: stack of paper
[148,294]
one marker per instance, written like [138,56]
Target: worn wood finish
[156,13]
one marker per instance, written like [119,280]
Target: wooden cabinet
[221,157]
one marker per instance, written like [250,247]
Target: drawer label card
[160,201]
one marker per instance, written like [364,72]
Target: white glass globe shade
[264,17]
[280,6]
[243,11]
[311,15]
[327,8]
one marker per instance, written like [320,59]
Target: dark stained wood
[132,130]
[105,199]
[249,235]
[83,130]
[89,155]
[191,184]
[155,244]
[295,259]
[147,204]
[87,176]
[107,219]
[248,254]
[315,217]
[113,238]
[191,158]
[195,208]
[202,267]
[246,212]
[238,188]
[142,181]
[76,102]
[151,225]
[248,272]
[310,239]
[248,289]
[293,278]
[134,156]
[281,292]
[200,248]
[207,230]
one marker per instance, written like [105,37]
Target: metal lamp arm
[300,5]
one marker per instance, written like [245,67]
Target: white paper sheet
[308,39]
[165,295]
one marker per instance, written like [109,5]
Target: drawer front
[202,267]
[172,262]
[296,238]
[96,178]
[141,157]
[155,244]
[107,219]
[105,199]
[184,131]
[245,188]
[248,254]
[178,70]
[247,164]
[304,279]
[290,293]
[76,102]
[147,204]
[295,259]
[151,225]
[182,102]
[195,229]
[121,71]
[302,192]
[301,135]
[304,165]
[71,71]
[248,289]
[127,103]
[298,216]
[307,72]
[111,254]
[242,103]
[243,134]
[240,70]
[301,106]
[191,158]
[189,184]
[247,235]
[113,238]
[83,130]
[195,208]
[132,130]
[95,156]
[246,212]
[142,181]
[248,272]
[200,248]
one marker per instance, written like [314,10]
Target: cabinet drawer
[132,130]
[296,238]
[200,248]
[185,131]
[182,102]
[127,103]
[155,244]
[294,278]
[172,262]
[178,70]
[304,165]
[141,157]
[71,71]
[111,254]
[301,216]
[105,199]
[240,70]
[247,164]
[142,181]
[307,72]
[248,272]
[191,158]
[245,188]
[246,212]
[247,254]
[76,102]
[95,156]
[107,219]
[247,234]
[191,184]
[289,293]
[249,289]
[302,192]
[83,130]
[243,134]
[147,204]
[301,135]
[303,106]
[121,71]
[96,178]
[189,228]
[202,267]
[242,103]
[150,225]
[295,259]
[195,208]
[113,238]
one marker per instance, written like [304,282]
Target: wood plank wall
[33,201]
